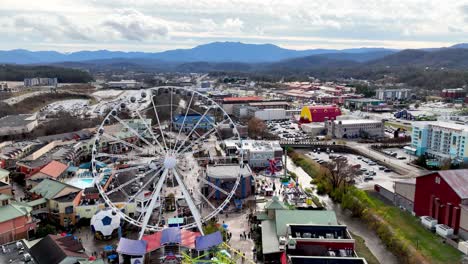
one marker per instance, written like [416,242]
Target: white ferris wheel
[149,151]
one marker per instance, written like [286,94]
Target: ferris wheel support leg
[190,203]
[150,208]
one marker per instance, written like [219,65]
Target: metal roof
[302,217]
[270,243]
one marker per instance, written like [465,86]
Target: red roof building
[443,195]
[242,99]
[318,113]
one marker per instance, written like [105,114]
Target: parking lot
[286,130]
[371,172]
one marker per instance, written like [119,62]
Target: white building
[17,124]
[28,82]
[360,128]
[257,153]
[124,84]
[440,140]
[392,94]
[267,114]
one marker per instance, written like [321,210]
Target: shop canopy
[208,241]
[184,237]
[131,247]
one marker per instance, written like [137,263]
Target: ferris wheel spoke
[188,198]
[133,131]
[134,179]
[172,120]
[183,122]
[206,200]
[150,207]
[214,186]
[159,122]
[128,144]
[149,129]
[150,180]
[198,139]
[193,129]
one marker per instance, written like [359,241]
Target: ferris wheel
[151,150]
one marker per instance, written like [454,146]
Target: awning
[131,247]
[208,241]
[170,235]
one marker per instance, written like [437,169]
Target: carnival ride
[153,150]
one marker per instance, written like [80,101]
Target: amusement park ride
[160,160]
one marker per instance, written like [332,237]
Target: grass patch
[363,251]
[409,227]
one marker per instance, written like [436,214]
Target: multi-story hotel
[441,140]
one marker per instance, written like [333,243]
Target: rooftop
[54,249]
[13,210]
[242,99]
[302,217]
[50,188]
[357,121]
[17,120]
[442,124]
[227,171]
[54,169]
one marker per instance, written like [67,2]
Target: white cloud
[181,23]
[133,25]
[234,24]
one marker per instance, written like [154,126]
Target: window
[437,180]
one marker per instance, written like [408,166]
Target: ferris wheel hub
[170,162]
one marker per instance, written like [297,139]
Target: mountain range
[249,58]
[212,52]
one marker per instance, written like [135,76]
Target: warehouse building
[17,124]
[360,128]
[318,113]
[443,195]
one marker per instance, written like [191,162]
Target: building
[318,113]
[16,221]
[56,249]
[60,198]
[443,195]
[256,153]
[124,84]
[11,152]
[453,94]
[29,82]
[404,194]
[267,114]
[361,103]
[230,102]
[224,176]
[17,124]
[440,141]
[304,236]
[360,128]
[392,94]
[54,170]
[5,187]
[191,120]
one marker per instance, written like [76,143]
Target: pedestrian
[244,234]
[240,236]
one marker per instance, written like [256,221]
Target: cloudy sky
[156,25]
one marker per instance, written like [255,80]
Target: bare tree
[340,173]
[256,127]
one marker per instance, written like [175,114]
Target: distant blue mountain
[212,52]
